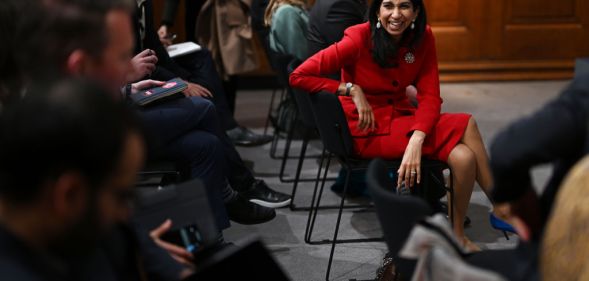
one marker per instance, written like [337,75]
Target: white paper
[180,49]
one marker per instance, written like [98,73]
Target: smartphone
[188,237]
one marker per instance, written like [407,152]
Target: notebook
[181,49]
[148,96]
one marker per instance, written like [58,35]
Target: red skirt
[437,146]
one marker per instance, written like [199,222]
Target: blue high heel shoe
[500,224]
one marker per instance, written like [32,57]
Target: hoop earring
[378,24]
[413,25]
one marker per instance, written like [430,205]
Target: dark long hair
[384,48]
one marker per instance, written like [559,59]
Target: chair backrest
[306,114]
[303,100]
[332,124]
[279,63]
[397,214]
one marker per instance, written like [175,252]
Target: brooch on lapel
[409,57]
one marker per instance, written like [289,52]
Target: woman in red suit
[378,60]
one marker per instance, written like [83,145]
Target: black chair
[279,63]
[257,12]
[397,214]
[337,140]
[303,122]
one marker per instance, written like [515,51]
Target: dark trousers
[203,72]
[185,130]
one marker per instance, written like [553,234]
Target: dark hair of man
[52,30]
[71,125]
[384,50]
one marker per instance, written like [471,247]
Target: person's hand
[178,253]
[164,35]
[366,119]
[195,90]
[145,84]
[410,169]
[411,93]
[143,65]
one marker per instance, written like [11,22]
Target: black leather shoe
[242,211]
[262,195]
[244,137]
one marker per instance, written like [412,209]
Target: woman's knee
[472,124]
[462,155]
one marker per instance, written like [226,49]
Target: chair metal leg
[292,206]
[335,241]
[276,133]
[314,210]
[285,155]
[307,236]
[274,144]
[297,179]
[316,205]
[339,218]
[301,158]
[270,107]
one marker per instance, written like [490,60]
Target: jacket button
[395,83]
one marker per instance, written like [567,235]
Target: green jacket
[288,31]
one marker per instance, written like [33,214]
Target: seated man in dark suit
[67,173]
[196,68]
[199,69]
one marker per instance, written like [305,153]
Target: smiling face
[396,16]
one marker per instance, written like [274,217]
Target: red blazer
[384,87]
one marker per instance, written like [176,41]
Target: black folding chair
[337,140]
[397,214]
[279,63]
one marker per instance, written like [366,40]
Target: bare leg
[462,160]
[473,140]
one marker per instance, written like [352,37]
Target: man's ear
[70,196]
[77,62]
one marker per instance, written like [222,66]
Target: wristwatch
[349,86]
